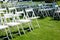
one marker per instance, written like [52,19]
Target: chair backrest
[40,5]
[20,13]
[31,11]
[3,9]
[9,17]
[11,9]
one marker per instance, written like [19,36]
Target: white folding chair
[4,27]
[47,11]
[56,14]
[41,10]
[2,12]
[11,23]
[23,20]
[33,15]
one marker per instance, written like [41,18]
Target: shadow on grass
[55,20]
[27,29]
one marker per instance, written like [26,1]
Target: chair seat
[1,12]
[34,17]
[23,20]
[20,12]
[57,11]
[12,23]
[3,26]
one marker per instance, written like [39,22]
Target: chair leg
[18,30]
[46,14]
[53,15]
[22,28]
[7,34]
[31,25]
[37,23]
[10,33]
[42,14]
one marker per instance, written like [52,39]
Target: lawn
[49,30]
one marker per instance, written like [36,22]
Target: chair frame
[33,15]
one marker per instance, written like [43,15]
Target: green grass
[30,3]
[49,30]
[25,3]
[58,2]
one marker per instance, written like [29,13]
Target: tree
[50,1]
[38,0]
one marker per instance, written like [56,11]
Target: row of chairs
[13,20]
[56,14]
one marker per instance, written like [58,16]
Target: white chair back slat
[9,15]
[3,27]
[13,8]
[20,12]
[29,9]
[1,12]
[2,9]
